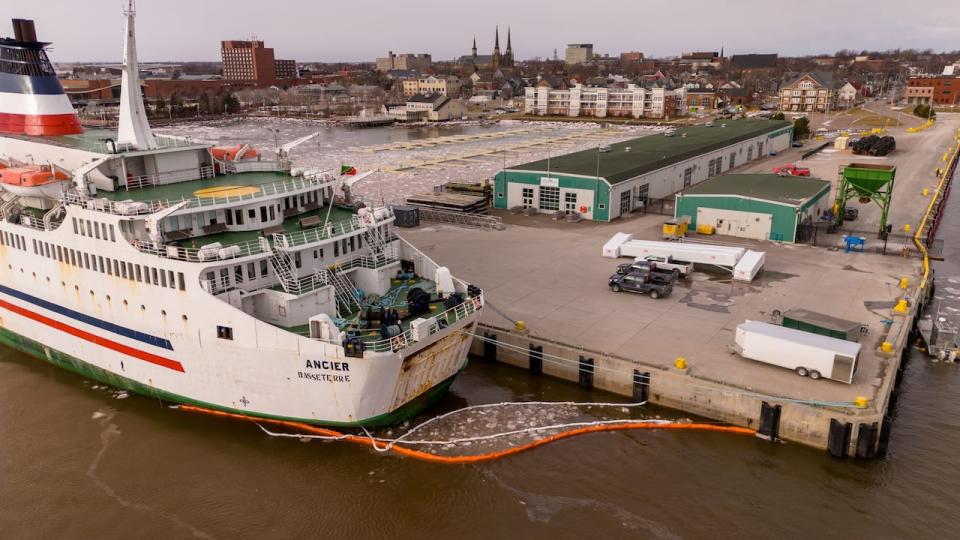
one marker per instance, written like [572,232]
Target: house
[808,92]
[701,99]
[421,108]
[849,95]
[731,95]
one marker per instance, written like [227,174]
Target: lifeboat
[239,152]
[34,181]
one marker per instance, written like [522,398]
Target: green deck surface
[90,140]
[290,225]
[793,190]
[652,152]
[187,189]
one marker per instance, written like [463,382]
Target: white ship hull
[162,341]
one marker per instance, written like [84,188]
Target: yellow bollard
[860,402]
[926,191]
[680,363]
[901,306]
[520,326]
[886,347]
[906,228]
[904,283]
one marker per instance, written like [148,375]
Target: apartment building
[808,92]
[578,53]
[632,101]
[248,61]
[444,85]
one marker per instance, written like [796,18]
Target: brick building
[287,69]
[933,90]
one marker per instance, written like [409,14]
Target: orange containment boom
[477,458]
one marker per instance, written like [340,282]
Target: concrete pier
[550,275]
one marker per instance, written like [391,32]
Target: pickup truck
[682,268]
[642,282]
[640,265]
[790,169]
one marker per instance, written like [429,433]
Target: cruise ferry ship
[222,277]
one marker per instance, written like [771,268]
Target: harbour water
[78,460]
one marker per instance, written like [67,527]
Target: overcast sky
[353,30]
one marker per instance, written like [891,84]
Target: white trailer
[805,353]
[749,265]
[727,257]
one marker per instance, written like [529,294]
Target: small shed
[758,206]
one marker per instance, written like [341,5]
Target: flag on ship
[348,170]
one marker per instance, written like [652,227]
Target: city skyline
[743,27]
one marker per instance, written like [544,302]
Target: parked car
[791,169]
[644,282]
[850,214]
[796,144]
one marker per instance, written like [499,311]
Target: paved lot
[551,275]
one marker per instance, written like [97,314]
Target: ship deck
[91,140]
[244,182]
[290,225]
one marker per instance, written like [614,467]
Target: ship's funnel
[32,101]
[24,31]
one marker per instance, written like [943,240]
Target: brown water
[76,462]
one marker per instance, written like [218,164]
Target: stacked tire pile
[873,145]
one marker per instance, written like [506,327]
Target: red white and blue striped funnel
[32,101]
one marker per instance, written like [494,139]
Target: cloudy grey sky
[348,30]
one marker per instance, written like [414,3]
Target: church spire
[473,51]
[508,55]
[496,49]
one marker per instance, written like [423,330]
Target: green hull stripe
[71,363]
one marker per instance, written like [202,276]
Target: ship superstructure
[220,277]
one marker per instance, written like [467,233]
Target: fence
[822,235]
[479,221]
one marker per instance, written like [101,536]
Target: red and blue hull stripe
[89,336]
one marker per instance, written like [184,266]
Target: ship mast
[134,129]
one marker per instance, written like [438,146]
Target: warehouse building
[605,183]
[758,206]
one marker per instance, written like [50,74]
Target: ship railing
[333,229]
[171,177]
[255,166]
[205,254]
[217,285]
[441,321]
[32,222]
[163,141]
[128,208]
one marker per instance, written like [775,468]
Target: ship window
[252,213]
[263,268]
[296,259]
[273,214]
[59,254]
[263,214]
[229,217]
[112,237]
[163,278]
[83,229]
[170,273]
[109,268]
[336,249]
[74,225]
[180,281]
[238,214]
[153,272]
[100,259]
[139,272]
[116,267]
[96,230]
[35,246]
[103,227]
[73,257]
[343,246]
[3,238]
[251,270]
[123,268]
[86,261]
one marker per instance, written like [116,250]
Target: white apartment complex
[633,101]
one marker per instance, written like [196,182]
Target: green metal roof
[791,190]
[653,152]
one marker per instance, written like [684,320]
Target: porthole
[125,303]
[108,298]
[163,312]
[184,317]
[143,307]
[76,288]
